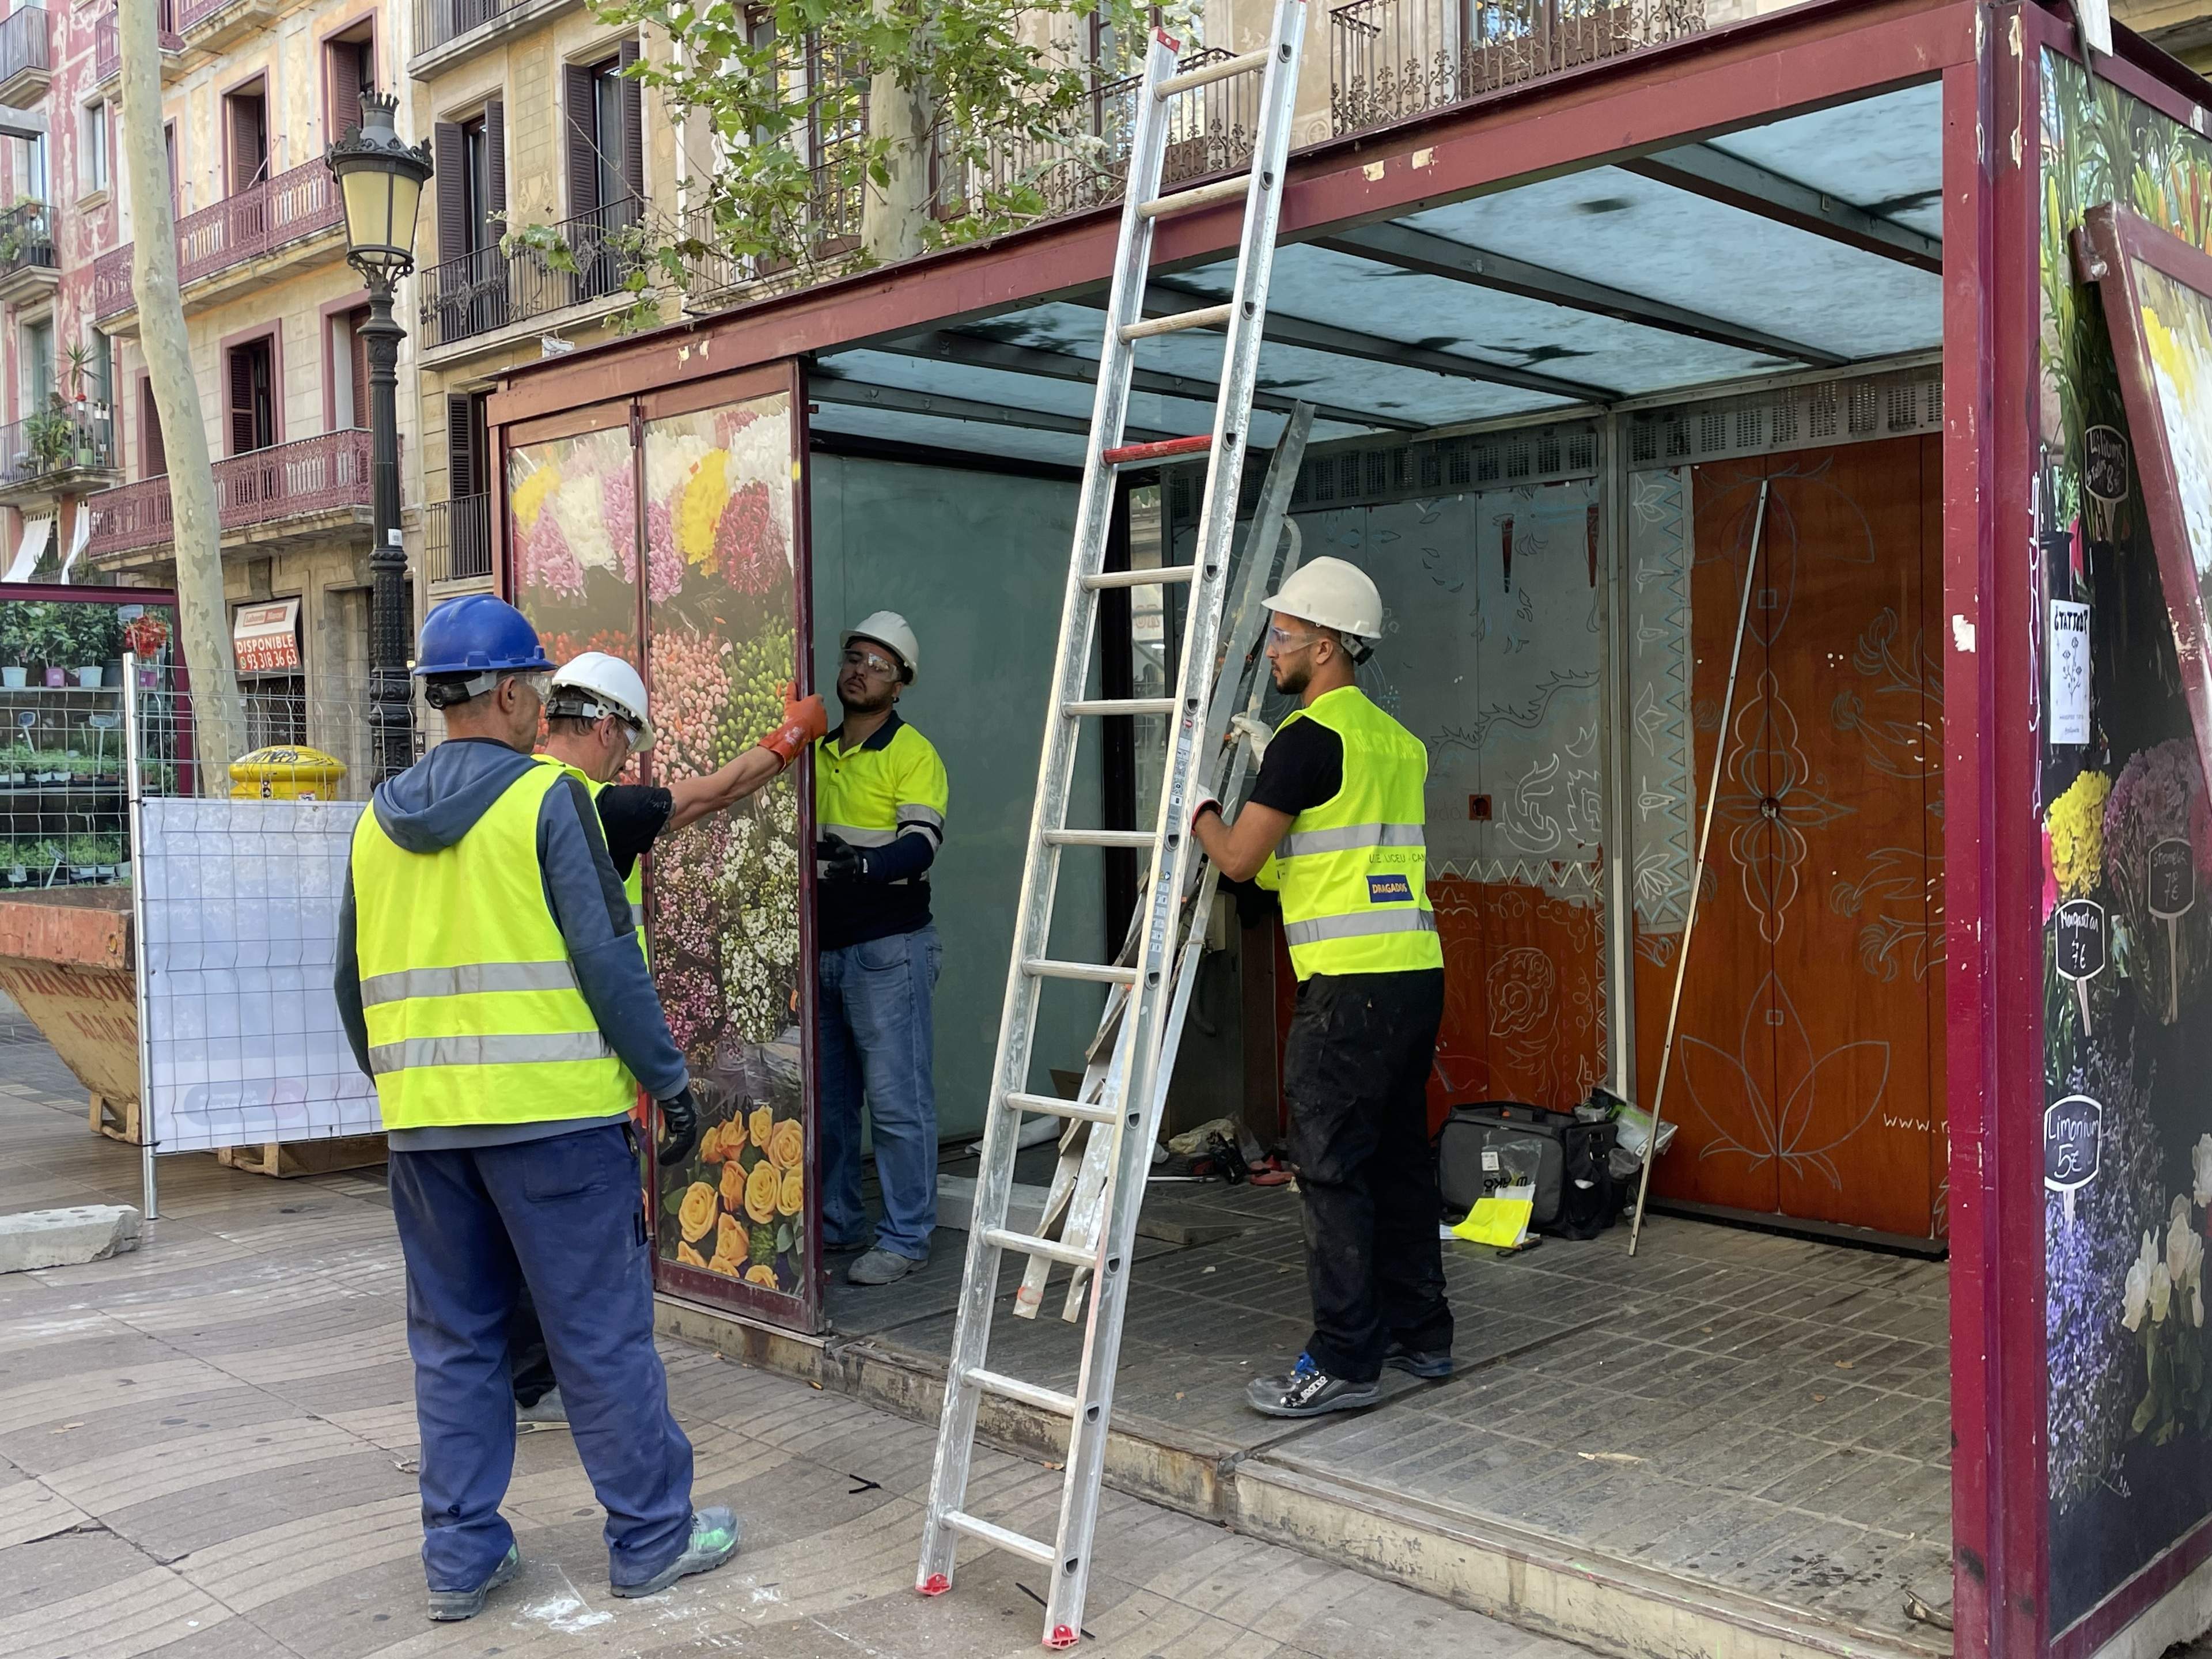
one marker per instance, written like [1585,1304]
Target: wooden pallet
[285,1159]
[116,1119]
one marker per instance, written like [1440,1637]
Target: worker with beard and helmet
[879,801]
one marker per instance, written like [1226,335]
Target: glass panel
[2177,329]
[725,893]
[572,512]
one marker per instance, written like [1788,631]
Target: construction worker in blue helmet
[490,981]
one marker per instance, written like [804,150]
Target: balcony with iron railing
[1395,58]
[296,213]
[294,487]
[68,451]
[446,30]
[479,296]
[107,48]
[25,56]
[28,264]
[457,539]
[828,222]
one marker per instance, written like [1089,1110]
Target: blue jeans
[564,1216]
[873,1025]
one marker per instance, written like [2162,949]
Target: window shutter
[583,139]
[460,449]
[357,344]
[241,400]
[248,143]
[450,156]
[156,460]
[494,140]
[633,133]
[346,86]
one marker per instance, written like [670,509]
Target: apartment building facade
[253,91]
[533,127]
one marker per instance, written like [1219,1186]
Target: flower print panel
[572,541]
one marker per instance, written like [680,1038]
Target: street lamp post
[380,182]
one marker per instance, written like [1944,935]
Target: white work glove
[1255,731]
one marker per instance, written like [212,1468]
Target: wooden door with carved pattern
[1807,1074]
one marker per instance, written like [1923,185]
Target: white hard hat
[889,628]
[595,683]
[1331,593]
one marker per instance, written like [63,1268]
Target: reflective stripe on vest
[1353,871]
[473,1012]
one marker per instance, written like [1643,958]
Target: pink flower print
[748,542]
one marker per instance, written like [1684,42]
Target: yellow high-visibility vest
[1353,872]
[890,785]
[633,883]
[473,1011]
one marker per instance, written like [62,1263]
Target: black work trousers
[1355,1070]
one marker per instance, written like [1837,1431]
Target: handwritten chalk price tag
[2081,944]
[2171,878]
[2073,1133]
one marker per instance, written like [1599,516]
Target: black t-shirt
[1304,767]
[630,816]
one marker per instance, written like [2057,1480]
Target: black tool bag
[1501,1143]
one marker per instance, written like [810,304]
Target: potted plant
[79,358]
[51,437]
[13,672]
[45,637]
[84,857]
[94,635]
[45,863]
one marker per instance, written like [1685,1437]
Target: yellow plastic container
[286,772]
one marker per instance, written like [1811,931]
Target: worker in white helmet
[597,716]
[879,801]
[1336,826]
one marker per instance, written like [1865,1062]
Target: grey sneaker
[446,1606]
[714,1535]
[1308,1391]
[881,1268]
[547,1413]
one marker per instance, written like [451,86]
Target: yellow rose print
[733,1184]
[696,1216]
[699,513]
[689,1257]
[763,1125]
[761,1273]
[710,1145]
[531,494]
[763,1188]
[731,1239]
[724,1266]
[787,1145]
[791,1197]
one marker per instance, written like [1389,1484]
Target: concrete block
[63,1238]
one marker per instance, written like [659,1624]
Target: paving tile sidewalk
[206,1453]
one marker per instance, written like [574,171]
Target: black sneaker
[446,1606]
[1432,1363]
[1308,1391]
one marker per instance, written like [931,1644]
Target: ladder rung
[1210,317]
[1046,1400]
[1212,72]
[1173,573]
[1073,1255]
[1120,706]
[1164,449]
[1104,973]
[1087,1111]
[1136,840]
[1012,1542]
[1190,200]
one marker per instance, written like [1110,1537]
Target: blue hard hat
[478,634]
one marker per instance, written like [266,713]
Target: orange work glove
[804,720]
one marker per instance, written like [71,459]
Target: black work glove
[837,859]
[679,1127]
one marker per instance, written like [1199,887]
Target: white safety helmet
[888,628]
[595,685]
[1331,593]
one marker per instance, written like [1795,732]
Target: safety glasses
[1279,639]
[871,662]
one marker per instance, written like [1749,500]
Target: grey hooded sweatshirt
[431,805]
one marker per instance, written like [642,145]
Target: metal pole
[392,709]
[133,776]
[1698,870]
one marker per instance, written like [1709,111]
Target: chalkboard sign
[2104,463]
[2081,938]
[2072,1143]
[2173,879]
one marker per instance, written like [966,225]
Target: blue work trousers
[564,1216]
[873,1020]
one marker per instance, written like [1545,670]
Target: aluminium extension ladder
[1118,1112]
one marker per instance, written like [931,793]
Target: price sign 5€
[2073,1135]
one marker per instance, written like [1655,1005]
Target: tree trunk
[895,216]
[203,637]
